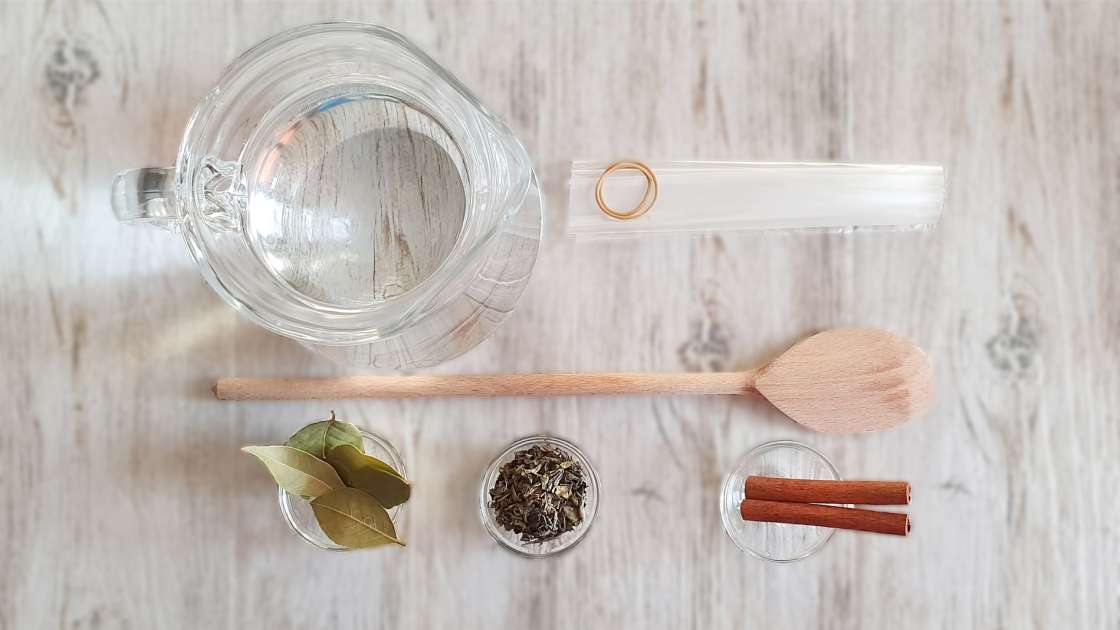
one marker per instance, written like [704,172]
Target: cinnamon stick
[828,491]
[894,523]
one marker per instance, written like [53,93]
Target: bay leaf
[297,471]
[369,474]
[354,519]
[375,462]
[317,437]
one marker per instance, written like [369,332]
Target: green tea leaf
[354,519]
[318,437]
[296,471]
[370,474]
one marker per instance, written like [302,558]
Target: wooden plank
[124,502]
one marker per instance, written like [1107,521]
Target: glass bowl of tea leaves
[340,487]
[539,496]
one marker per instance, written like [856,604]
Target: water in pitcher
[360,198]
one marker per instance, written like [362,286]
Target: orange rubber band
[648,199]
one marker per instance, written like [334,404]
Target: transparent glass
[301,518]
[777,542]
[723,196]
[512,541]
[339,187]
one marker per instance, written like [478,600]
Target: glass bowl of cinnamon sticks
[776,542]
[784,500]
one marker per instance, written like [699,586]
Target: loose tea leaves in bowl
[539,494]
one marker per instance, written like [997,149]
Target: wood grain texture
[124,502]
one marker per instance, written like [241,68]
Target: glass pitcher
[340,188]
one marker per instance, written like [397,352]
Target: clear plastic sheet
[720,196]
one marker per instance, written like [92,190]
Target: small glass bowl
[776,542]
[512,541]
[301,518]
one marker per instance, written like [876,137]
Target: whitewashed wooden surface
[125,504]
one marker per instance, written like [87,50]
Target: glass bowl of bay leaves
[539,497]
[340,487]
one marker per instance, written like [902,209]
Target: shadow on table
[145,334]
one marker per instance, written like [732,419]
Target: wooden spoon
[838,381]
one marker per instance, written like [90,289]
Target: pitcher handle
[146,195]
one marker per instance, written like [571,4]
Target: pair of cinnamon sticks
[796,501]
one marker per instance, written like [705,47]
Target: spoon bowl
[849,380]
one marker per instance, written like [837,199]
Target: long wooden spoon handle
[482,385]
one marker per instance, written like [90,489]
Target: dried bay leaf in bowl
[370,475]
[354,519]
[318,437]
[297,471]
